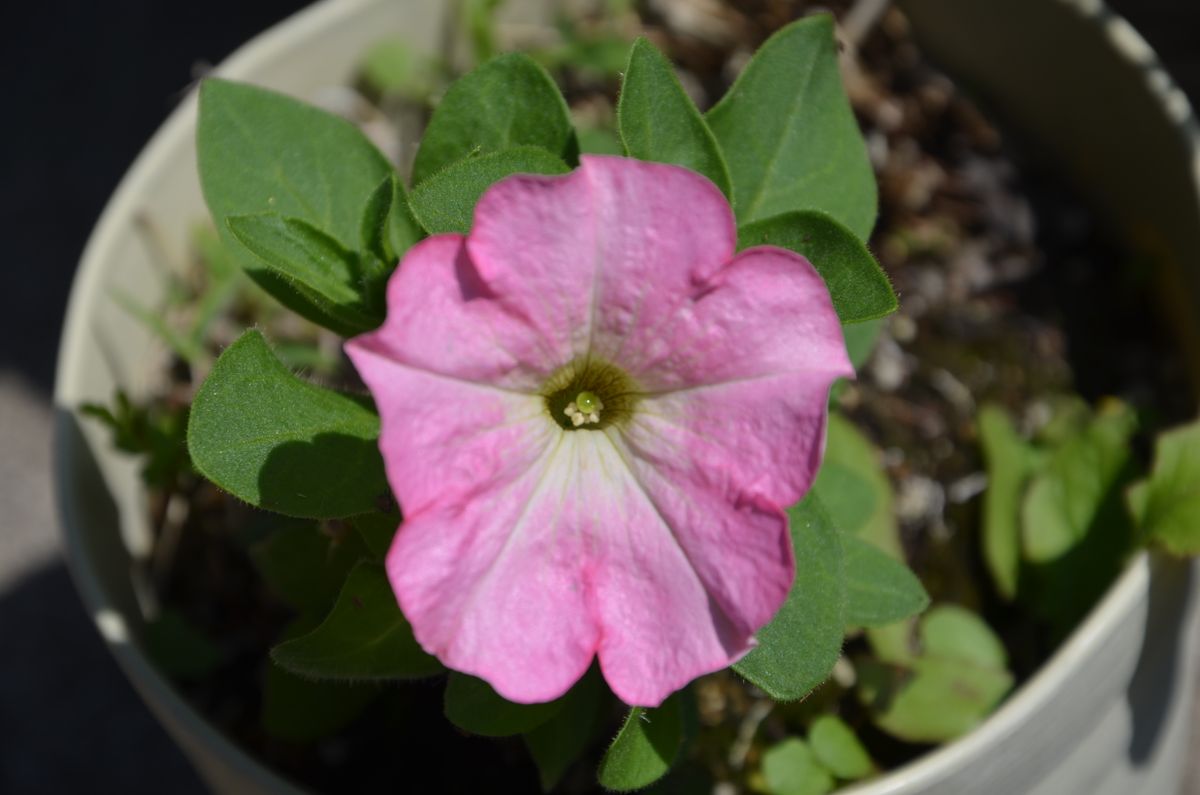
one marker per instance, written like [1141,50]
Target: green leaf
[394,67]
[791,768]
[1064,501]
[1075,531]
[659,122]
[789,135]
[1069,416]
[858,286]
[508,102]
[364,637]
[373,228]
[279,443]
[854,488]
[314,264]
[306,564]
[644,749]
[301,711]
[388,229]
[1011,461]
[402,228]
[558,742]
[180,648]
[446,201]
[879,588]
[377,530]
[599,141]
[956,633]
[223,279]
[950,687]
[860,340]
[837,748]
[798,648]
[473,706]
[1167,504]
[893,643]
[259,152]
[934,701]
[185,346]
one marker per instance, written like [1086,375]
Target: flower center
[589,394]
[584,409]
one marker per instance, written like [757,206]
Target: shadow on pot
[1162,653]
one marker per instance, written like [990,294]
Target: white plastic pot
[1108,713]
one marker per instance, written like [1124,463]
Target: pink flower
[592,410]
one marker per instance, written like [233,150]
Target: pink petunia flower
[592,412]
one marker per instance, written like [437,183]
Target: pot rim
[1118,603]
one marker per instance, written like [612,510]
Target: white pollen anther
[584,410]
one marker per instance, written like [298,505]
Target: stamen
[590,395]
[585,408]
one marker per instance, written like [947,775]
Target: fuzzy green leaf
[315,265]
[788,133]
[1011,461]
[858,286]
[854,488]
[558,742]
[402,228]
[508,102]
[599,141]
[1167,504]
[473,706]
[659,122]
[791,768]
[797,649]
[298,710]
[446,201]
[879,588]
[838,749]
[260,151]
[373,227]
[364,637]
[377,529]
[644,749]
[282,444]
[306,565]
[180,648]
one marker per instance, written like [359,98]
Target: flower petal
[744,388]
[766,312]
[445,428]
[685,578]
[525,581]
[442,318]
[658,543]
[495,585]
[593,257]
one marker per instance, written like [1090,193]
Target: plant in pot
[592,393]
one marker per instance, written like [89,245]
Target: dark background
[84,86]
